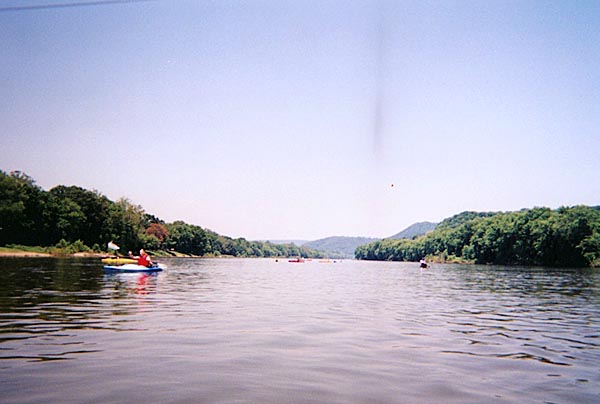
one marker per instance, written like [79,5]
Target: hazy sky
[292,119]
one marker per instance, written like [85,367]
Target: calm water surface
[260,331]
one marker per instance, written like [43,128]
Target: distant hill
[417,229]
[340,246]
[296,242]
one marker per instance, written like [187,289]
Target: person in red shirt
[143,259]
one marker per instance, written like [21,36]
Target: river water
[261,331]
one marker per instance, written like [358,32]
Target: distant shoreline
[16,253]
[32,254]
[27,254]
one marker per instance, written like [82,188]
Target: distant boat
[423,264]
[299,259]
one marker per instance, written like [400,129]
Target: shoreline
[32,254]
[25,254]
[12,253]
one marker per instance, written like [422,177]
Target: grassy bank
[24,251]
[15,250]
[71,250]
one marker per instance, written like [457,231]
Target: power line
[70,5]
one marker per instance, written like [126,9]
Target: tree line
[71,215]
[565,237]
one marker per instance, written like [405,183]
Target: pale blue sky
[290,119]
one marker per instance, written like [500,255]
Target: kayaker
[143,259]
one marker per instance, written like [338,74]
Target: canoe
[132,268]
[118,261]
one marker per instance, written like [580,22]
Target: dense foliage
[79,218]
[568,236]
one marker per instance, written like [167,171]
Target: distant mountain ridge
[344,247]
[296,242]
[341,246]
[417,229]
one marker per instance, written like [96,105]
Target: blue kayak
[133,268]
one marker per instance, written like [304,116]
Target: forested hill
[70,215]
[417,229]
[568,236]
[339,247]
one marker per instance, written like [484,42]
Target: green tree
[22,205]
[187,238]
[93,206]
[126,224]
[564,237]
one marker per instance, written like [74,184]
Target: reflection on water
[124,285]
[45,303]
[265,331]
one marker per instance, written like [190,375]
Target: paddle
[114,247]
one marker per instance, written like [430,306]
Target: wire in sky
[69,5]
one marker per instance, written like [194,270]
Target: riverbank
[452,259]
[4,253]
[45,252]
[38,252]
